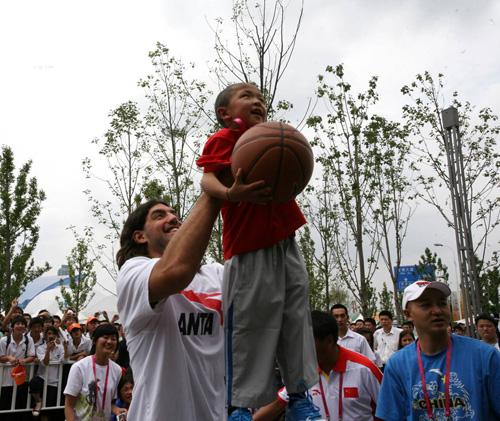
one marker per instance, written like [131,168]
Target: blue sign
[406,275]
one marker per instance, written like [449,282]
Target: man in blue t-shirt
[440,376]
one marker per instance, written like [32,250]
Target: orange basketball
[276,153]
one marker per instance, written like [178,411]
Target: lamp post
[457,275]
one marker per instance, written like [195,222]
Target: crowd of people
[358,352]
[67,355]
[207,342]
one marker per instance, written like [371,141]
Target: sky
[65,65]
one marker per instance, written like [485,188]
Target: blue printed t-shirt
[474,383]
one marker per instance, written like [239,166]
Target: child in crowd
[265,286]
[50,352]
[405,338]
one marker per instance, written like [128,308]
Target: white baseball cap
[414,291]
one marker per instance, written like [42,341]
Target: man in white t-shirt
[15,348]
[347,338]
[78,346]
[50,355]
[486,329]
[170,308]
[386,340]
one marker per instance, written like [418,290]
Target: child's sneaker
[303,410]
[240,414]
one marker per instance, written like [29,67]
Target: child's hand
[256,192]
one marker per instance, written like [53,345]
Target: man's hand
[12,359]
[14,303]
[51,345]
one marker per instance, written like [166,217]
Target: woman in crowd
[405,338]
[93,381]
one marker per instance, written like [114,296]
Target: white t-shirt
[19,351]
[386,344]
[56,357]
[360,388]
[84,346]
[357,343]
[82,385]
[176,349]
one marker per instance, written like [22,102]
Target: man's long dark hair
[135,222]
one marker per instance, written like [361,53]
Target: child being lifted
[265,286]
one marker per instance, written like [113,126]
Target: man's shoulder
[396,330]
[352,334]
[467,344]
[133,264]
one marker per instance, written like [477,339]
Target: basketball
[276,153]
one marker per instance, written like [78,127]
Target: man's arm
[182,257]
[256,192]
[270,412]
[8,316]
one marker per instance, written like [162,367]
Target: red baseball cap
[73,326]
[91,319]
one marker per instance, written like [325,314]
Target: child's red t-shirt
[246,226]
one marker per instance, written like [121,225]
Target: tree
[261,47]
[431,267]
[20,206]
[82,278]
[391,208]
[121,149]
[478,133]
[346,142]
[385,299]
[489,283]
[176,120]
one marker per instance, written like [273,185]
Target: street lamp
[457,275]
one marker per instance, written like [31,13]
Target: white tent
[102,300]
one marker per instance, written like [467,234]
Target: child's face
[247,103]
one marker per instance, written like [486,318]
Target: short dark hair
[386,313]
[324,324]
[51,328]
[104,329]
[224,97]
[485,316]
[55,316]
[408,323]
[18,319]
[338,305]
[135,221]
[36,321]
[371,320]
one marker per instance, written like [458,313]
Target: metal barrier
[31,372]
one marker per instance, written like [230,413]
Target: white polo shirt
[386,344]
[84,346]
[56,356]
[360,387]
[18,350]
[176,348]
[357,343]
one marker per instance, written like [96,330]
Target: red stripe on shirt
[206,300]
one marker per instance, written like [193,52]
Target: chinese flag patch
[351,392]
